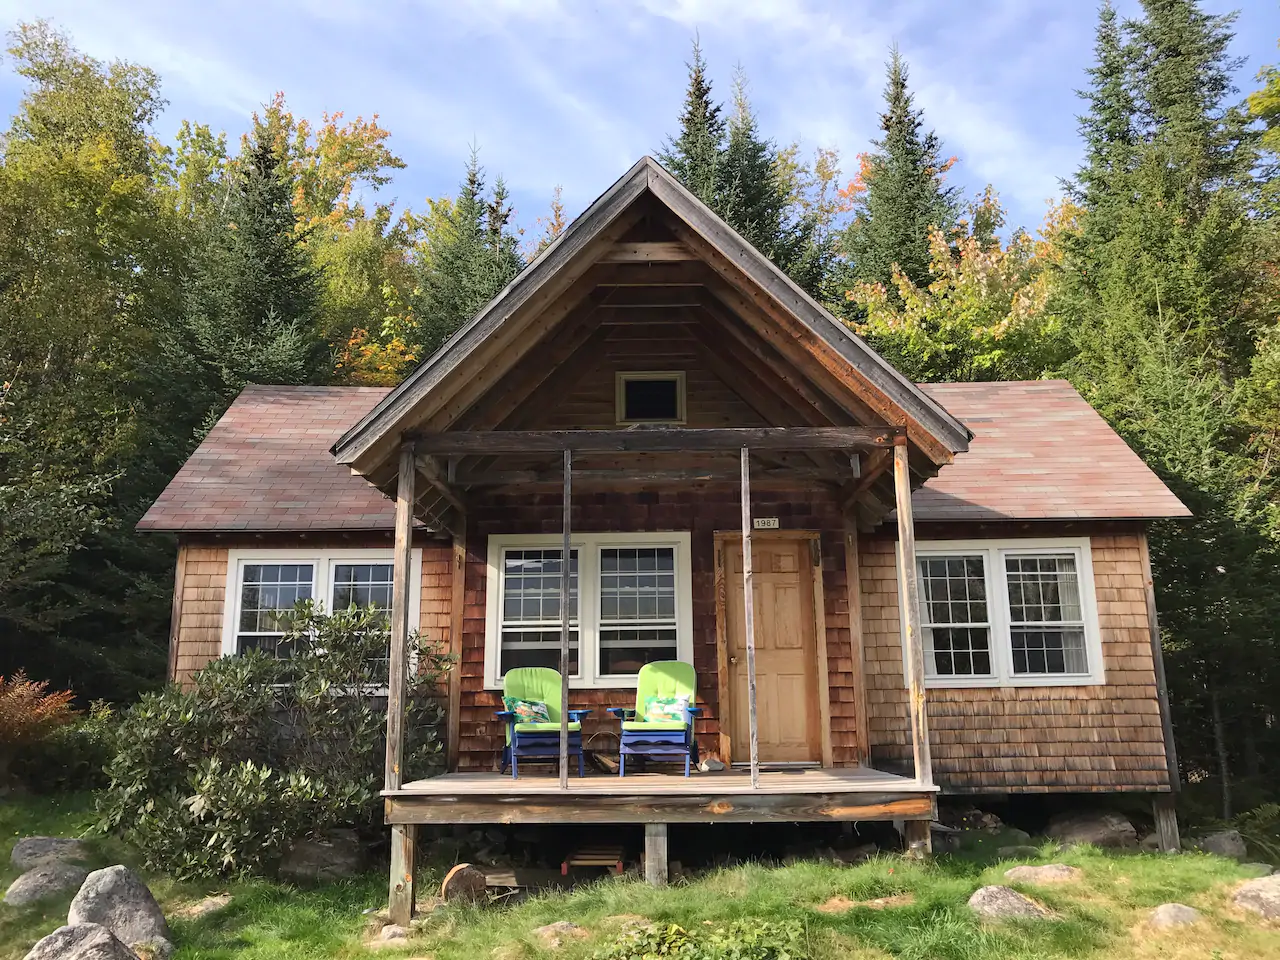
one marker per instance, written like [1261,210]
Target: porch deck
[807,794]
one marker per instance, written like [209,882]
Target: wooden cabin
[948,588]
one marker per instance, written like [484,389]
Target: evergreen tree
[905,194]
[253,298]
[694,155]
[1166,291]
[465,256]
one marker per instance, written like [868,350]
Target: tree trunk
[1220,745]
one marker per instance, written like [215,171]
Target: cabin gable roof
[446,385]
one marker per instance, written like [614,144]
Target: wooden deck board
[728,783]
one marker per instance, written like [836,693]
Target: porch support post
[749,619]
[565,571]
[1163,806]
[402,835]
[911,618]
[655,854]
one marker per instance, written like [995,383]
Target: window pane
[957,651]
[637,584]
[624,651]
[536,648]
[651,399]
[267,590]
[531,586]
[1043,589]
[1049,650]
[953,590]
[362,584]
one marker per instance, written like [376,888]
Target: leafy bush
[219,779]
[28,716]
[1260,830]
[73,756]
[739,940]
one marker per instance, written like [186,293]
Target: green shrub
[739,940]
[71,757]
[219,779]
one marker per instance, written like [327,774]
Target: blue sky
[569,92]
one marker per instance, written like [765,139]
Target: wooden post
[457,612]
[402,876]
[1157,660]
[749,619]
[175,612]
[655,854]
[1163,805]
[918,838]
[402,835]
[853,592]
[565,569]
[911,618]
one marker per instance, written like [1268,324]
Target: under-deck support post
[918,837]
[749,620]
[655,854]
[1163,806]
[566,567]
[402,835]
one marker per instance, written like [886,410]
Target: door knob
[733,659]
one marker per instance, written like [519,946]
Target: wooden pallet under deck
[855,793]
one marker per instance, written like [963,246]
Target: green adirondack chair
[670,740]
[538,741]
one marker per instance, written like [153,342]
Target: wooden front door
[786,651]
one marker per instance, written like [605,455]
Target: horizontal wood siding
[700,511]
[1106,737]
[204,589]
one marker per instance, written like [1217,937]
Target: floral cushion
[666,709]
[527,711]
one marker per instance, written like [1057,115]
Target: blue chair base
[540,747]
[664,747]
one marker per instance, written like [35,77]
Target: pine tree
[252,301]
[465,257]
[694,155]
[905,193]
[1107,125]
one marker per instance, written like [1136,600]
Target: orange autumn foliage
[27,713]
[364,361]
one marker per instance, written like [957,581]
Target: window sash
[268,640]
[931,628]
[541,595]
[1073,658]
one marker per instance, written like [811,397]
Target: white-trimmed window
[631,603]
[262,584]
[1008,613]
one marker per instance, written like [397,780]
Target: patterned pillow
[665,709]
[527,711]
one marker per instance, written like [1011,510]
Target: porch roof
[1039,452]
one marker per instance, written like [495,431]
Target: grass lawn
[1099,917]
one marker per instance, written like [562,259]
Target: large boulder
[1102,828]
[50,879]
[1049,873]
[337,856]
[1262,896]
[1223,843]
[1004,903]
[117,898]
[81,941]
[32,851]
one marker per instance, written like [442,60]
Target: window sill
[621,683]
[986,683]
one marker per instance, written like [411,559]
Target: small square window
[651,397]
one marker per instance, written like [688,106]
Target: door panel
[786,655]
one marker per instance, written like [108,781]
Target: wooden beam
[878,463]
[648,252]
[686,274]
[918,838]
[566,565]
[642,474]
[1164,807]
[911,618]
[749,618]
[393,774]
[1157,660]
[400,897]
[457,611]
[708,807]
[655,854]
[435,476]
[853,594]
[654,440]
[175,611]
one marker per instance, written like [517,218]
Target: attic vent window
[651,397]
